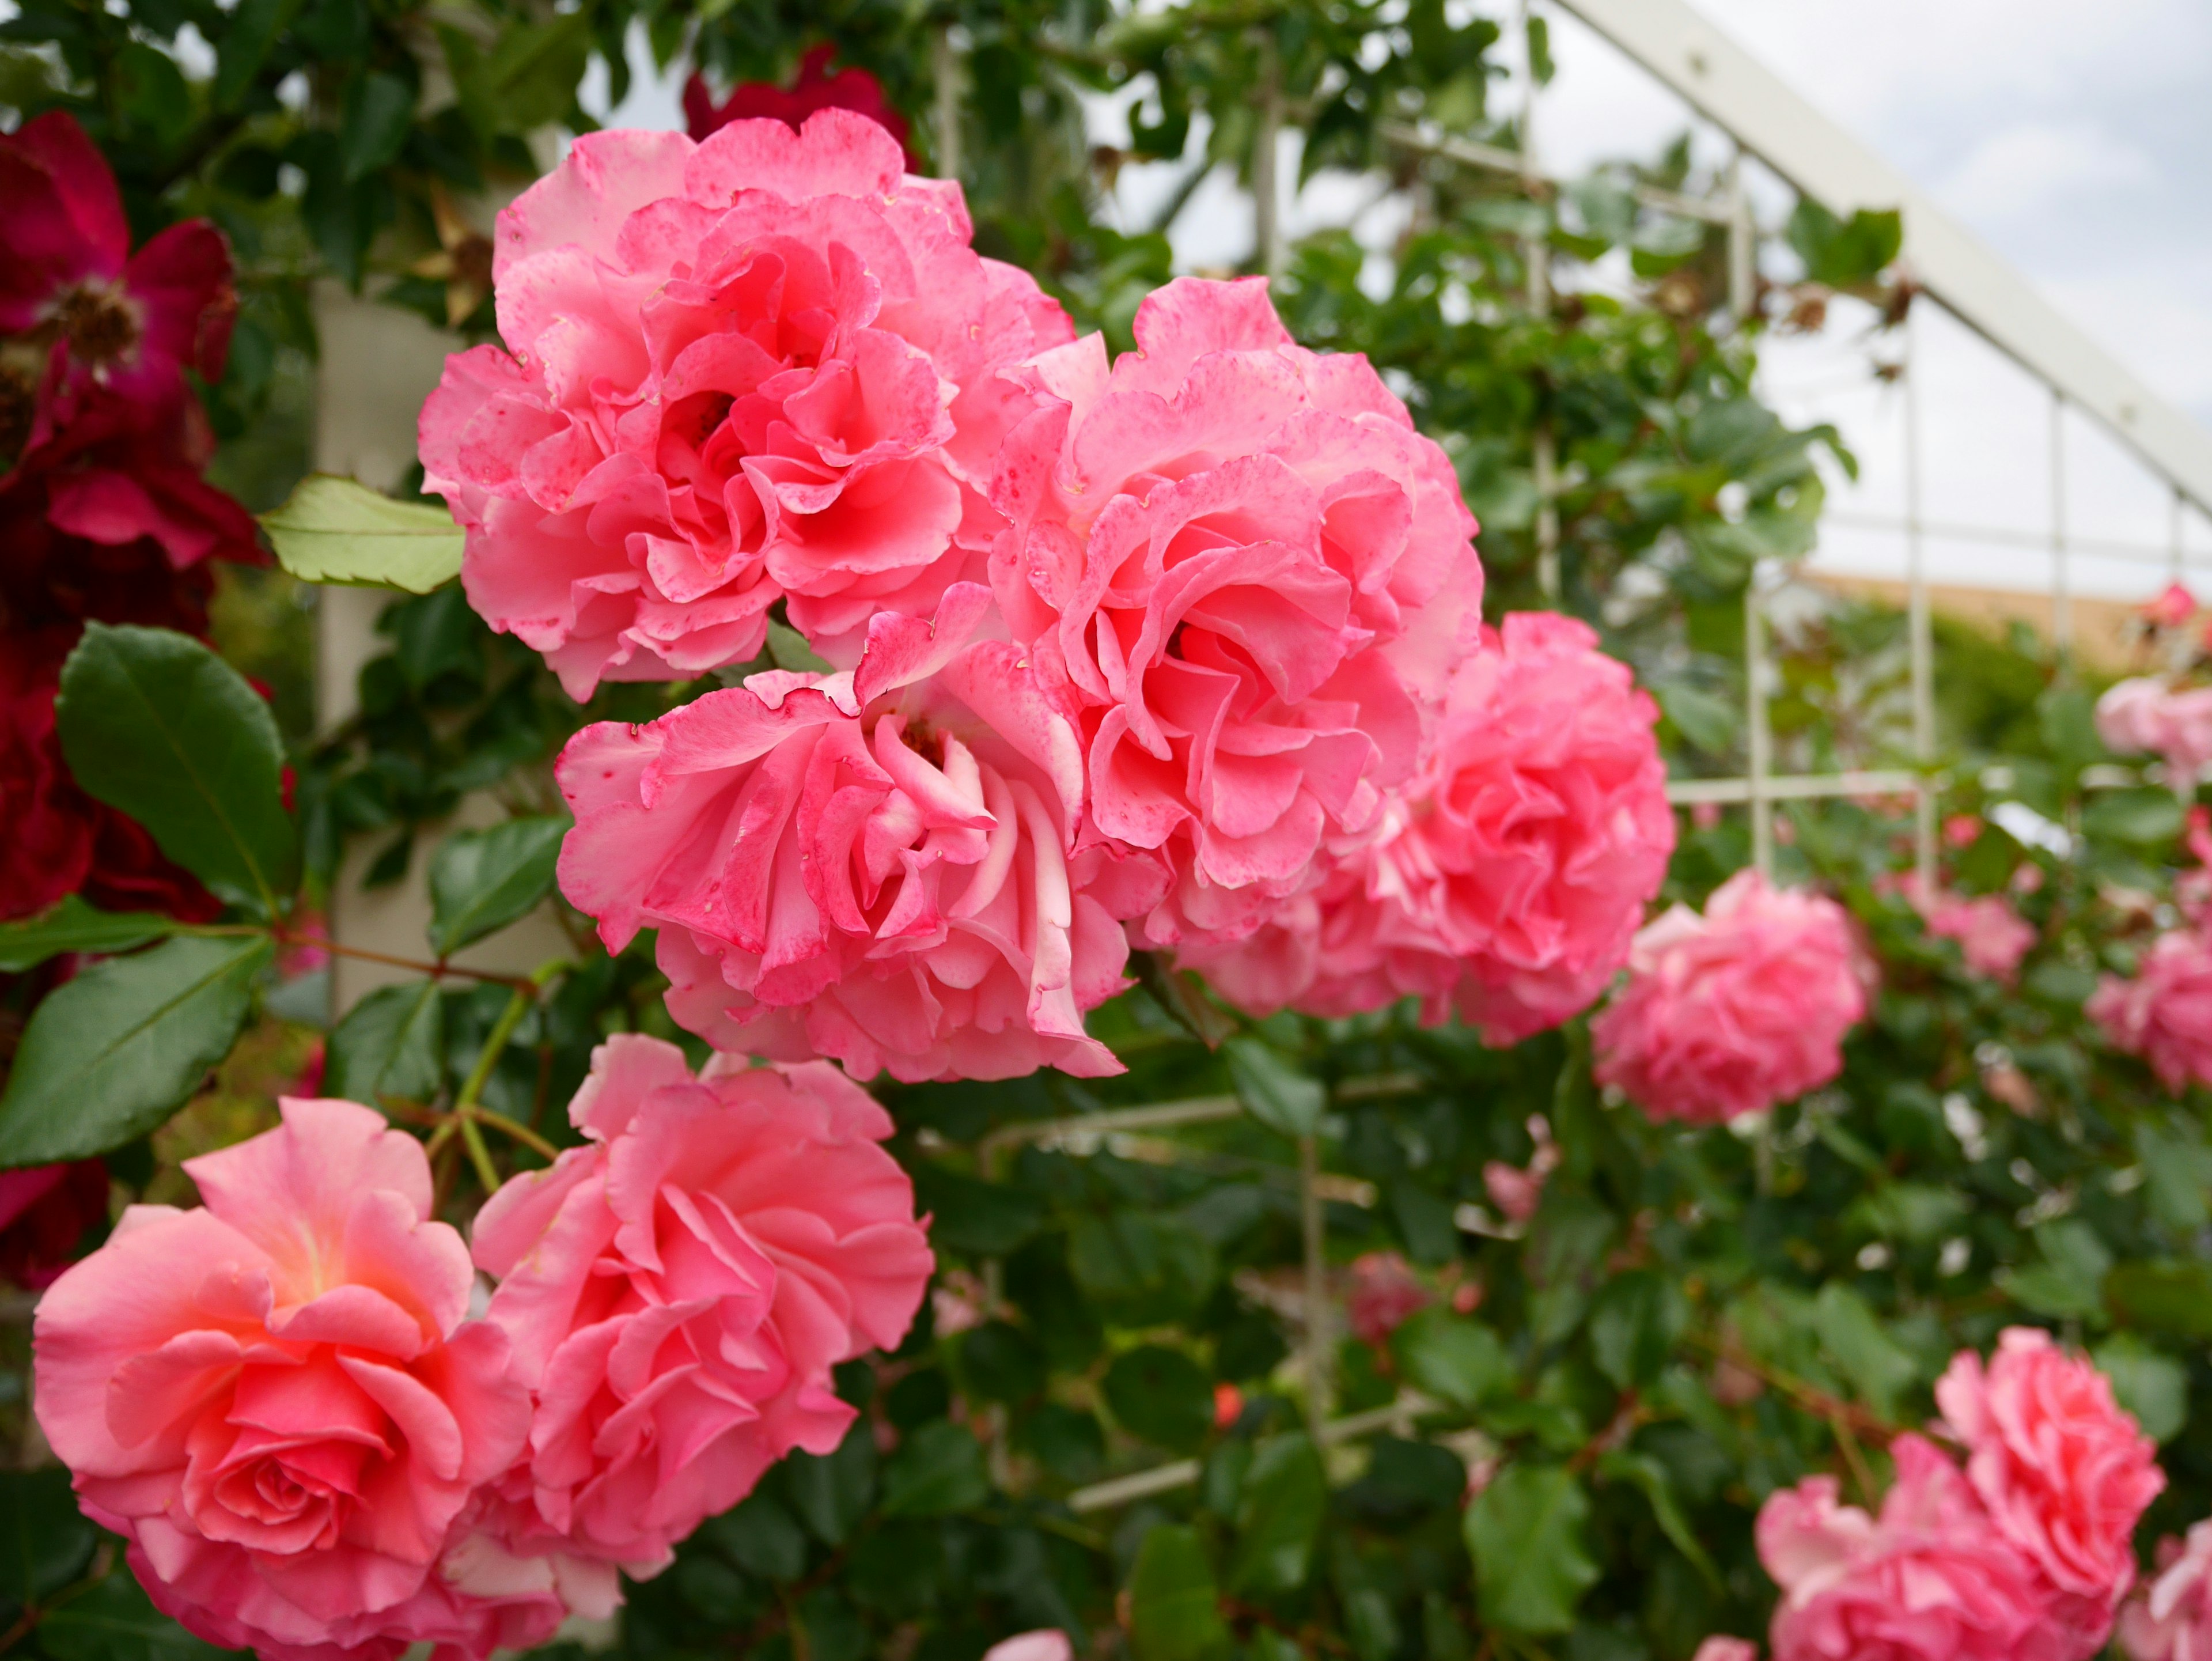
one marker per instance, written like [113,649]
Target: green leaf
[1000,1362]
[1525,1532]
[762,1537]
[1175,1613]
[1708,720]
[1879,1367]
[787,649]
[1139,1270]
[2155,1387]
[938,1469]
[154,723]
[73,926]
[254,26]
[2142,818]
[391,1043]
[482,880]
[1644,1473]
[831,1492]
[2165,1297]
[109,1057]
[1274,1090]
[2070,1281]
[1633,1325]
[333,529]
[1450,1357]
[982,1219]
[1160,1394]
[115,1622]
[44,1540]
[1278,1517]
[379,110]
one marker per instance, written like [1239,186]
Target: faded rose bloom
[880,866]
[678,1290]
[1929,1581]
[1249,577]
[2170,1619]
[277,1398]
[2164,1014]
[1735,1010]
[814,88]
[1723,1648]
[44,1211]
[1384,1292]
[2062,1470]
[760,368]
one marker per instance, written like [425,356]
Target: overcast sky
[2070,135]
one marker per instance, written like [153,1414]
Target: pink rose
[1248,576]
[2171,609]
[277,1398]
[1723,1648]
[1992,937]
[1050,1644]
[1385,1292]
[880,866]
[762,367]
[1734,1011]
[2164,1014]
[2170,1619]
[1930,1580]
[1511,878]
[2064,1472]
[2144,716]
[678,1291]
[815,87]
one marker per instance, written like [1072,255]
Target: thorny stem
[284,936]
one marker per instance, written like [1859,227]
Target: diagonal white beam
[1730,86]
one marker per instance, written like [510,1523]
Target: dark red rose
[44,1212]
[816,89]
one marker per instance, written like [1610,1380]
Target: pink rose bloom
[2170,1619]
[678,1291]
[2144,716]
[1734,1011]
[2064,1473]
[2164,1014]
[1510,881]
[878,866]
[762,367]
[1385,1292]
[1050,1644]
[1992,937]
[277,1401]
[2171,609]
[1248,575]
[1930,1580]
[1721,1648]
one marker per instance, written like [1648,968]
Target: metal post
[1267,191]
[1761,740]
[2061,601]
[1535,255]
[945,115]
[1919,633]
[2173,533]
[1318,1324]
[1743,245]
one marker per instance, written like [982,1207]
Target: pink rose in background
[44,1211]
[1050,1644]
[813,88]
[2064,1472]
[760,368]
[2145,716]
[677,1291]
[1248,577]
[1992,937]
[1723,1648]
[2171,1618]
[1518,1192]
[1734,1011]
[1384,1292]
[277,1398]
[1510,880]
[2164,1014]
[2170,609]
[888,875]
[1929,1581]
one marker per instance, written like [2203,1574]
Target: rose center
[101,321]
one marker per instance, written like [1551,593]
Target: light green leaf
[1175,1613]
[2155,1387]
[154,723]
[73,926]
[1879,1367]
[787,649]
[1532,1565]
[1274,1090]
[110,1056]
[1633,1325]
[391,1044]
[1278,1517]
[333,529]
[1452,1357]
[482,880]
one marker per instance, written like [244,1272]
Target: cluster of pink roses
[321,1444]
[1180,651]
[2145,715]
[2163,1012]
[2024,1554]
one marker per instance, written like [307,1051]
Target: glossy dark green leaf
[1450,1357]
[482,880]
[936,1470]
[1527,1533]
[44,1540]
[1160,1394]
[154,723]
[73,926]
[831,1492]
[1174,1610]
[254,25]
[762,1537]
[110,1056]
[1274,1092]
[1279,1515]
[392,1042]
[379,108]
[985,1220]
